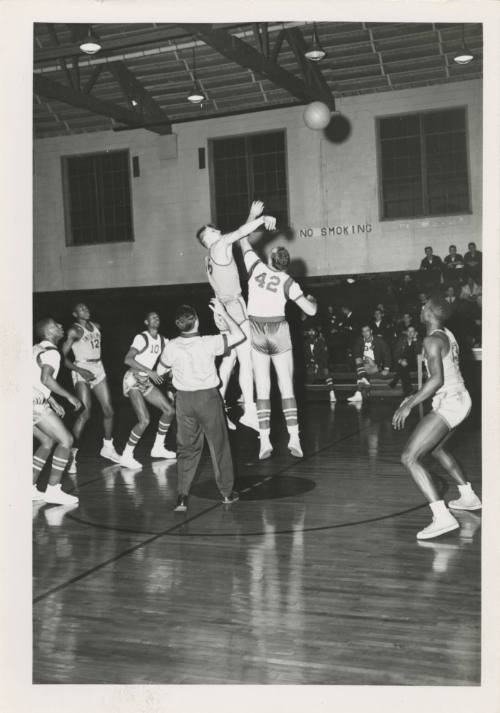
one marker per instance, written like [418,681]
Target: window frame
[243,135]
[68,227]
[380,192]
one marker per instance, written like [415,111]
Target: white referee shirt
[192,360]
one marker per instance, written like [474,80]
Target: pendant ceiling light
[464,56]
[315,53]
[90,44]
[196,95]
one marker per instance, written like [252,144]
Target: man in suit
[371,356]
[473,261]
[382,327]
[453,265]
[406,351]
[432,266]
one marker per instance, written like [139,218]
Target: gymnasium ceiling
[245,67]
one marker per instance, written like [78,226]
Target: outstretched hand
[256,209]
[219,314]
[270,222]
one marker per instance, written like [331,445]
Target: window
[247,168]
[423,164]
[97,198]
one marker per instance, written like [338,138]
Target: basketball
[317,116]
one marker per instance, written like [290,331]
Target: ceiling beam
[93,78]
[246,56]
[133,89]
[311,69]
[52,90]
[62,62]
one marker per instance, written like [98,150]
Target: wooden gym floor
[314,577]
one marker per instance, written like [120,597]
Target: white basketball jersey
[268,289]
[149,348]
[452,376]
[88,347]
[44,353]
[224,278]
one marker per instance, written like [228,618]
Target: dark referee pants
[199,414]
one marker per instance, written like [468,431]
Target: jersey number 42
[267,282]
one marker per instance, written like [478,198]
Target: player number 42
[269,283]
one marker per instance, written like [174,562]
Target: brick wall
[330,184]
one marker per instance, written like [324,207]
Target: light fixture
[196,95]
[316,52]
[90,44]
[464,56]
[134,102]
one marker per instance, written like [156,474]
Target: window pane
[98,197]
[423,164]
[248,168]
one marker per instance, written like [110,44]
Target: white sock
[74,451]
[159,440]
[57,487]
[108,444]
[265,434]
[293,431]
[438,508]
[128,451]
[465,489]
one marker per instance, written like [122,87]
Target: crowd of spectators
[385,337]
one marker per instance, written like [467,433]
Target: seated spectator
[333,333]
[472,292]
[473,261]
[381,326]
[422,299]
[406,351]
[371,356]
[453,265]
[431,262]
[317,360]
[451,296]
[405,322]
[407,292]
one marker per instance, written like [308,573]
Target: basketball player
[199,405]
[48,427]
[451,404]
[223,276]
[269,288]
[139,385]
[84,340]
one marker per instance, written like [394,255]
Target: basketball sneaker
[55,494]
[363,382]
[229,499]
[266,448]
[466,502]
[181,505]
[128,461]
[37,494]
[439,526]
[295,448]
[109,453]
[162,452]
[357,397]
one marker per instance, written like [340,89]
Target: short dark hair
[42,325]
[185,318]
[364,326]
[429,247]
[471,243]
[280,258]
[200,233]
[452,246]
[439,306]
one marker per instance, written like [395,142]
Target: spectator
[432,265]
[371,356]
[472,292]
[381,326]
[406,351]
[473,261]
[451,297]
[453,265]
[407,292]
[405,322]
[333,333]
[348,328]
[317,360]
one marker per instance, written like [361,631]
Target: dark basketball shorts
[270,337]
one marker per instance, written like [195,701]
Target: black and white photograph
[260,375]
